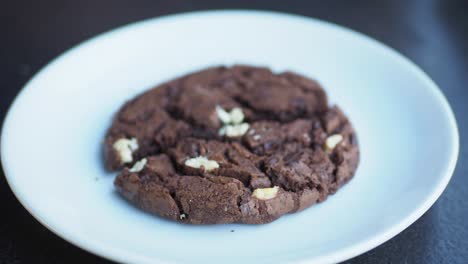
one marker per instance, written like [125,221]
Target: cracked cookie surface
[230,144]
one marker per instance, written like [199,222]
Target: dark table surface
[432,33]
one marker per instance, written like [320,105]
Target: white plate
[51,140]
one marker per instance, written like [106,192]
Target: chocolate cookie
[225,145]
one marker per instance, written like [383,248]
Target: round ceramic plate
[52,138]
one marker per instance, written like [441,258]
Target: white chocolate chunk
[234,130]
[265,193]
[125,148]
[182,216]
[332,141]
[237,116]
[233,126]
[222,131]
[224,116]
[257,137]
[202,162]
[234,117]
[139,165]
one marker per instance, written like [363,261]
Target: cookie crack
[172,193]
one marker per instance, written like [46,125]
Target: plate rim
[336,256]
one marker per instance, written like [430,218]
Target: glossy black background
[432,33]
